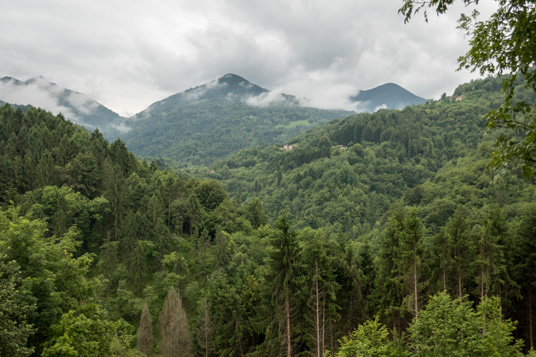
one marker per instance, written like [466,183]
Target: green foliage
[369,339]
[200,132]
[94,234]
[450,327]
[387,153]
[56,280]
[87,331]
[14,308]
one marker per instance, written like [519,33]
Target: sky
[127,54]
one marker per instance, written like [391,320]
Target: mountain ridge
[229,87]
[74,106]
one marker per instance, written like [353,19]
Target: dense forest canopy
[358,238]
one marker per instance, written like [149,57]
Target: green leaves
[448,327]
[87,331]
[369,339]
[14,308]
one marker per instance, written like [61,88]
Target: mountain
[75,106]
[388,96]
[229,88]
[217,119]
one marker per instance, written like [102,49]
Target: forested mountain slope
[320,183]
[217,119]
[103,254]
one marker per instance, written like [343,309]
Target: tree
[369,339]
[145,332]
[410,254]
[86,331]
[14,329]
[457,236]
[501,45]
[56,280]
[448,327]
[205,332]
[320,286]
[174,332]
[281,276]
[255,213]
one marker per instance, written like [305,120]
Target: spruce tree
[145,332]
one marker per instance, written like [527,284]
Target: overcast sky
[127,54]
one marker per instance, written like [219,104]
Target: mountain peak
[387,95]
[231,77]
[239,86]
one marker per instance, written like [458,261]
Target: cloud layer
[128,54]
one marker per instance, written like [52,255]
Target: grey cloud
[128,54]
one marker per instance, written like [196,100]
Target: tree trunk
[415,286]
[481,282]
[459,280]
[317,300]
[530,316]
[287,318]
[444,279]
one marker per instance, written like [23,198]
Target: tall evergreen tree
[458,241]
[280,278]
[174,333]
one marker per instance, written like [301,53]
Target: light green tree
[369,339]
[14,329]
[87,331]
[451,327]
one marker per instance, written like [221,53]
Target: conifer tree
[458,241]
[205,331]
[174,333]
[410,254]
[281,277]
[145,332]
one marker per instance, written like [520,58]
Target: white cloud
[266,99]
[37,94]
[129,54]
[82,103]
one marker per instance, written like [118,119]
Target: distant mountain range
[201,124]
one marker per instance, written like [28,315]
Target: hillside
[385,153]
[217,119]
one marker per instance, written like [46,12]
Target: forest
[378,234]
